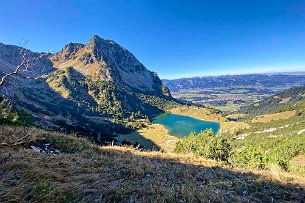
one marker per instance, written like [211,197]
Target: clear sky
[172,37]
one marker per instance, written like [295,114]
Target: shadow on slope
[80,112]
[118,174]
[137,140]
[53,111]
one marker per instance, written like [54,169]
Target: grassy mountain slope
[283,101]
[82,171]
[276,134]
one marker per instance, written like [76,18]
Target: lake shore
[199,113]
[157,137]
[153,136]
[181,125]
[207,114]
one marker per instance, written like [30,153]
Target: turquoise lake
[181,126]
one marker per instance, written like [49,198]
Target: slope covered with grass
[276,133]
[85,172]
[283,101]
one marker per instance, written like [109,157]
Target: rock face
[107,61]
[10,57]
[93,89]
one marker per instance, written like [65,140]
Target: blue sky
[174,38]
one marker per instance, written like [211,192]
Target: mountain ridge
[102,60]
[84,87]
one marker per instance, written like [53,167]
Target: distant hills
[254,80]
[231,92]
[97,89]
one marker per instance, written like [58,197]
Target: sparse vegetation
[122,174]
[8,115]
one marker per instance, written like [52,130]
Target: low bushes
[207,145]
[253,152]
[9,116]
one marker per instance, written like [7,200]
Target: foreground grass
[84,172]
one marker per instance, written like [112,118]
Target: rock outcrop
[107,61]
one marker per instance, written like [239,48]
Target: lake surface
[181,126]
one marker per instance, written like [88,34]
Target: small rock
[245,193]
[35,149]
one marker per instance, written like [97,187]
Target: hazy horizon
[250,73]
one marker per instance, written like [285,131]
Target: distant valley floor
[229,93]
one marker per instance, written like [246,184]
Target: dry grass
[231,127]
[285,101]
[78,64]
[297,165]
[61,90]
[273,117]
[88,173]
[236,115]
[199,113]
[152,136]
[298,160]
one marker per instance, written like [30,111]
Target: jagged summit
[95,39]
[108,61]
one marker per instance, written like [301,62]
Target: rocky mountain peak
[73,47]
[106,60]
[95,39]
[84,88]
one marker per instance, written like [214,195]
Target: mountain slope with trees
[96,89]
[286,100]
